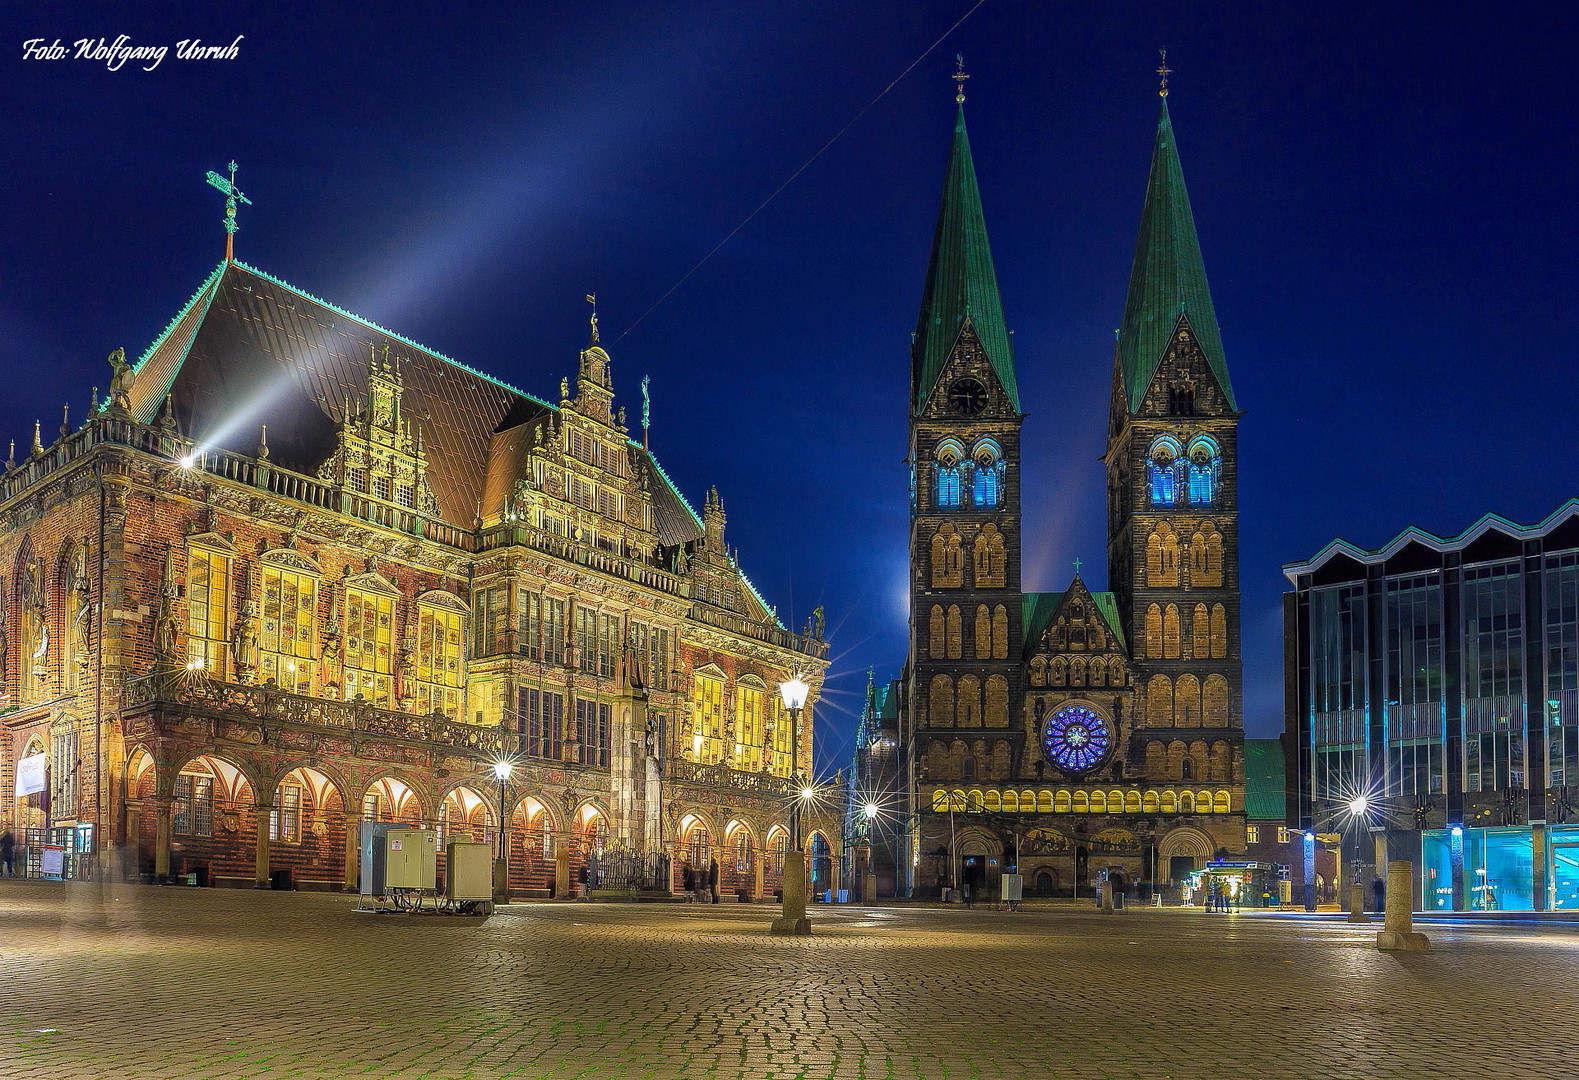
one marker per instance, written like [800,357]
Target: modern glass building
[1432,700]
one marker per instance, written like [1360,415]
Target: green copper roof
[961,283]
[1168,278]
[1038,609]
[1264,780]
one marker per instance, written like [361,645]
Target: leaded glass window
[285,631]
[369,645]
[207,609]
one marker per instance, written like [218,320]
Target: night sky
[1385,199]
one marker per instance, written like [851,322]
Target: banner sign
[29,775]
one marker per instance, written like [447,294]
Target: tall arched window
[955,633]
[1187,702]
[950,473]
[935,639]
[1159,701]
[1170,632]
[987,557]
[1219,631]
[948,558]
[1154,631]
[987,478]
[1214,705]
[997,712]
[1000,633]
[967,702]
[941,701]
[1205,468]
[983,633]
[1162,557]
[1200,638]
[1163,466]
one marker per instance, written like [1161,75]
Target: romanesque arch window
[987,474]
[983,633]
[1149,803]
[1221,803]
[1099,802]
[967,702]
[1214,702]
[1186,801]
[1221,762]
[955,633]
[1159,700]
[936,648]
[950,473]
[1200,638]
[941,700]
[1219,631]
[1187,701]
[948,558]
[1156,760]
[987,558]
[1063,802]
[1162,557]
[1168,802]
[1212,574]
[997,711]
[1170,632]
[1011,802]
[1164,465]
[1058,672]
[1044,801]
[1204,468]
[1000,633]
[1154,631]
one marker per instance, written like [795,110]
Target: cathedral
[1082,735]
[296,572]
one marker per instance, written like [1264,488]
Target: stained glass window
[1205,467]
[1162,472]
[1076,739]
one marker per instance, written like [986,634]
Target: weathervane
[592,298]
[1163,70]
[959,77]
[646,409]
[233,195]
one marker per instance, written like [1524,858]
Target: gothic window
[956,633]
[1097,675]
[750,696]
[987,558]
[967,703]
[1197,559]
[1187,702]
[950,473]
[1039,671]
[369,645]
[1184,774]
[1154,631]
[286,628]
[1170,632]
[285,816]
[935,647]
[983,633]
[1159,701]
[1219,631]
[948,559]
[193,811]
[1214,702]
[997,712]
[1115,671]
[1077,671]
[1211,575]
[1163,468]
[987,474]
[1000,633]
[1200,638]
[439,669]
[1205,470]
[941,701]
[207,609]
[1058,672]
[1162,557]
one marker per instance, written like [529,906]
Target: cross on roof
[1078,565]
[1164,71]
[959,77]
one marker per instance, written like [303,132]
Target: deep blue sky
[1385,199]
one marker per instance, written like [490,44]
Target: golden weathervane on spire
[959,77]
[1163,70]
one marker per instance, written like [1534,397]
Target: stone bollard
[1357,903]
[1396,934]
[792,918]
[1107,898]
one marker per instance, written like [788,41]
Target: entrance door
[1180,867]
[1565,876]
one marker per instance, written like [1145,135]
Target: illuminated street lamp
[501,865]
[792,919]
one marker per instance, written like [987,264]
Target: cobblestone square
[137,982]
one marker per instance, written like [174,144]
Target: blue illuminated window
[1205,466]
[1163,468]
[950,473]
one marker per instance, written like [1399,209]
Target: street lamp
[792,919]
[501,867]
[869,886]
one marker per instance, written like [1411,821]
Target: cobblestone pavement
[135,982]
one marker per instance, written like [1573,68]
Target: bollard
[1396,932]
[1107,898]
[1357,903]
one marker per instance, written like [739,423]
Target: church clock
[967,396]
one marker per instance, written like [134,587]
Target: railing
[1502,712]
[298,487]
[739,624]
[628,565]
[1339,727]
[724,776]
[1421,720]
[267,705]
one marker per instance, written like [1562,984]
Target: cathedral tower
[965,608]
[1173,506]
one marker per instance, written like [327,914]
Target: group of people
[1220,896]
[700,885]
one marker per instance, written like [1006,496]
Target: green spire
[1167,280]
[961,284]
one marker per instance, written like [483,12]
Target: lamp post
[501,864]
[792,919]
[869,884]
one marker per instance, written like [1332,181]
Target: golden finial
[1163,71]
[959,77]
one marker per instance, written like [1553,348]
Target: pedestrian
[7,851]
[1379,888]
[712,879]
[688,880]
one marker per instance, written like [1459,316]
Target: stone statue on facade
[121,380]
[244,643]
